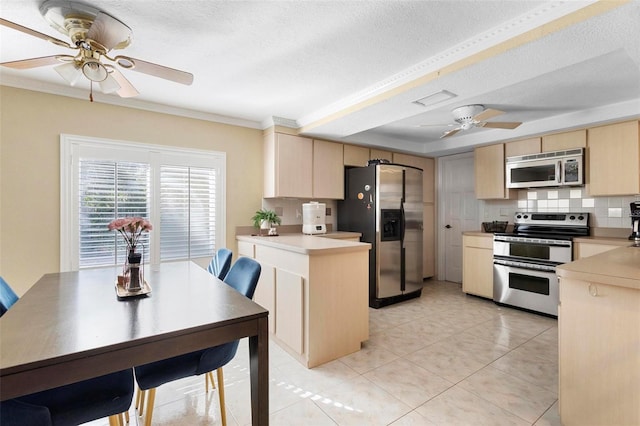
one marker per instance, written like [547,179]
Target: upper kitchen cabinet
[563,141]
[522,147]
[614,159]
[288,166]
[427,165]
[378,154]
[355,156]
[328,170]
[489,162]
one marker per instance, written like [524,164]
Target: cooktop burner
[550,225]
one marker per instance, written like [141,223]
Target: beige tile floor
[443,359]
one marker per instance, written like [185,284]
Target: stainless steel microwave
[559,168]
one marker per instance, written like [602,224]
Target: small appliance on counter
[635,223]
[313,218]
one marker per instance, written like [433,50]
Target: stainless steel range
[524,262]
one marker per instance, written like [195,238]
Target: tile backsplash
[605,212]
[290,210]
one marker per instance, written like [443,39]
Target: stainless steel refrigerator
[384,203]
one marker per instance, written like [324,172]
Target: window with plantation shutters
[109,190]
[181,192]
[187,213]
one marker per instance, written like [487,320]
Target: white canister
[313,218]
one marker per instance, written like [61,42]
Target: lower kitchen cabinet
[582,249]
[599,353]
[477,264]
[318,300]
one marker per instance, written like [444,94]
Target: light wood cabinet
[318,300]
[356,156]
[489,163]
[563,141]
[288,165]
[379,154]
[477,265]
[599,347]
[290,321]
[299,167]
[522,147]
[614,159]
[328,170]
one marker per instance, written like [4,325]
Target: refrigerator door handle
[402,224]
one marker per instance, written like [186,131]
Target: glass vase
[133,276]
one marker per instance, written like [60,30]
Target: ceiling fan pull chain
[91,90]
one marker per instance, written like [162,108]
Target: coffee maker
[635,223]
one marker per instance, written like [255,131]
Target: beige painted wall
[30,128]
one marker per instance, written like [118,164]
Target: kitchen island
[316,290]
[599,339]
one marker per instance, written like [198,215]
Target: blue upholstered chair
[220,263]
[105,396]
[243,276]
[7,296]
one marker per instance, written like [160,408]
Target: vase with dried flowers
[131,228]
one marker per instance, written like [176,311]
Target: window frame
[74,147]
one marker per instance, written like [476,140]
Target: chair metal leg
[223,411]
[126,417]
[150,400]
[114,420]
[208,378]
[140,401]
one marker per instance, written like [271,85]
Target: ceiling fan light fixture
[94,70]
[69,71]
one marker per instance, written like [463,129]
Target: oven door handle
[559,171]
[521,266]
[533,243]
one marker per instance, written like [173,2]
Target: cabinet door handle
[593,290]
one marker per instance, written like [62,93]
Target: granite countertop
[619,267]
[308,244]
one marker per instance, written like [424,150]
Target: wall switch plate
[327,211]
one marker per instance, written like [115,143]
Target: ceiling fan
[469,116]
[93,33]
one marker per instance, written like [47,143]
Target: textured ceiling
[350,70]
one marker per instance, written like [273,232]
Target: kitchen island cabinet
[477,264]
[317,292]
[599,339]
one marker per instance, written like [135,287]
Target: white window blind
[109,190]
[181,191]
[187,212]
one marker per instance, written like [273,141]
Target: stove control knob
[519,216]
[580,217]
[572,217]
[526,216]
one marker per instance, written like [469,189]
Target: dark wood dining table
[70,326]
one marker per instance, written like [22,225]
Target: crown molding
[535,18]
[77,93]
[280,121]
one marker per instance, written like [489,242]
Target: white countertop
[308,244]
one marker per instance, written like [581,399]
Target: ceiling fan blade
[487,114]
[156,70]
[109,32]
[450,132]
[502,124]
[24,64]
[35,33]
[436,125]
[126,88]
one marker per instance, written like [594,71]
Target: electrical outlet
[327,211]
[298,214]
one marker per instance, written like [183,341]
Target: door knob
[448,226]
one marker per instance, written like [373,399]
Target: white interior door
[458,212]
